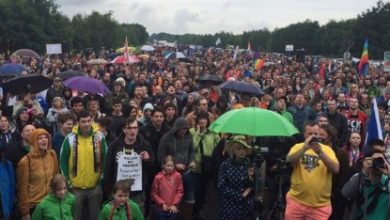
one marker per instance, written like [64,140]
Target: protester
[167,190]
[65,125]
[58,107]
[8,186]
[205,142]
[311,180]
[236,183]
[178,143]
[369,189]
[34,172]
[82,161]
[58,204]
[130,143]
[121,207]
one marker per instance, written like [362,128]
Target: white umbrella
[147,48]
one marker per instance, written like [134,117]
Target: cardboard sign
[53,48]
[130,167]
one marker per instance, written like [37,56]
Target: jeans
[87,200]
[163,215]
[188,184]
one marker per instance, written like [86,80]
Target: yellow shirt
[311,180]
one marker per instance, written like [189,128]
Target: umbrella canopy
[69,74]
[121,59]
[175,55]
[86,84]
[253,121]
[242,87]
[26,53]
[97,61]
[122,49]
[11,68]
[33,83]
[147,48]
[210,78]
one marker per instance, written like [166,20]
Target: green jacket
[210,141]
[52,208]
[120,213]
[285,114]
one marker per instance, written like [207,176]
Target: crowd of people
[60,148]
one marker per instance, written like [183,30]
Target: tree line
[34,23]
[331,39]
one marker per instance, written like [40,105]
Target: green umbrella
[253,121]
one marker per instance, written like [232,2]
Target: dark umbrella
[86,84]
[11,68]
[69,74]
[210,78]
[242,87]
[33,83]
[26,53]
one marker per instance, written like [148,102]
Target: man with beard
[129,143]
[357,119]
[338,120]
[153,132]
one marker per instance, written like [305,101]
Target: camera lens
[378,163]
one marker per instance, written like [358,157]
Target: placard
[290,47]
[130,167]
[53,48]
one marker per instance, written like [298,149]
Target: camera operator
[311,180]
[370,189]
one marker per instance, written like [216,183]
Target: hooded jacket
[53,208]
[34,172]
[83,168]
[182,149]
[117,148]
[120,212]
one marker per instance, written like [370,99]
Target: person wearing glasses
[129,142]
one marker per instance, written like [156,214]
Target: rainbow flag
[363,63]
[259,64]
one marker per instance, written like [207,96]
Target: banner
[289,47]
[130,167]
[386,59]
[53,49]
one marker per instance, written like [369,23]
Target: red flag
[126,52]
[322,70]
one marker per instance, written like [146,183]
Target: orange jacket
[34,173]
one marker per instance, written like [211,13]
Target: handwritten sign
[130,167]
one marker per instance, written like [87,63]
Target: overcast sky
[211,16]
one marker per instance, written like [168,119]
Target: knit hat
[120,81]
[195,95]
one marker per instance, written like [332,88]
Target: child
[58,107]
[167,190]
[121,208]
[59,204]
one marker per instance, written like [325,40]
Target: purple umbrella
[86,84]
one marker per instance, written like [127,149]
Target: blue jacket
[7,187]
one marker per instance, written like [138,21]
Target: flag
[218,42]
[259,64]
[374,129]
[236,52]
[126,52]
[249,47]
[363,63]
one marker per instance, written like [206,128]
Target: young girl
[167,190]
[121,208]
[59,204]
[57,107]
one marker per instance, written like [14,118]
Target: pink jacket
[167,189]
